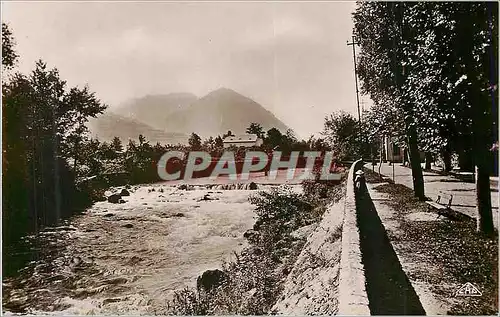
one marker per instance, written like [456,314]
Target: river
[128,258]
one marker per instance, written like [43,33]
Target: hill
[155,109]
[108,125]
[220,111]
[173,117]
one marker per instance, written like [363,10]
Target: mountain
[108,125]
[172,118]
[155,109]
[220,111]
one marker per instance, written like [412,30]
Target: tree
[274,138]
[116,145]
[9,56]
[140,160]
[381,64]
[413,59]
[452,96]
[41,119]
[194,142]
[92,154]
[112,150]
[317,144]
[219,142]
[256,129]
[342,132]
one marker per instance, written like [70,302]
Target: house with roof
[242,140]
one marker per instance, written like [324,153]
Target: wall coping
[353,299]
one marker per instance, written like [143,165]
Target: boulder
[114,199]
[206,197]
[182,187]
[210,280]
[252,186]
[124,192]
[251,235]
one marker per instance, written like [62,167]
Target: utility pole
[354,43]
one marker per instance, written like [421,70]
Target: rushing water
[127,258]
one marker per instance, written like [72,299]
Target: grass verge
[450,252]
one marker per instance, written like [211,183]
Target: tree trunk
[447,160]
[380,158]
[428,160]
[482,123]
[465,161]
[483,201]
[416,168]
[405,157]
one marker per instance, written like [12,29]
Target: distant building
[392,151]
[243,140]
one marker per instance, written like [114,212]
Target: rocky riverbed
[128,258]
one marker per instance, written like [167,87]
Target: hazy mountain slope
[154,109]
[220,111]
[109,125]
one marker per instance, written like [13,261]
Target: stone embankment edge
[353,299]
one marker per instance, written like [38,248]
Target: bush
[280,205]
[188,303]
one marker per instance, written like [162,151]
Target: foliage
[43,126]
[42,132]
[187,302]
[415,66]
[344,135]
[407,67]
[277,141]
[278,206]
[195,142]
[9,56]
[256,129]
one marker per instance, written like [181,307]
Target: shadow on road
[389,290]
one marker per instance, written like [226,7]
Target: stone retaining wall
[353,299]
[328,277]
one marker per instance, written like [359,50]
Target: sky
[290,57]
